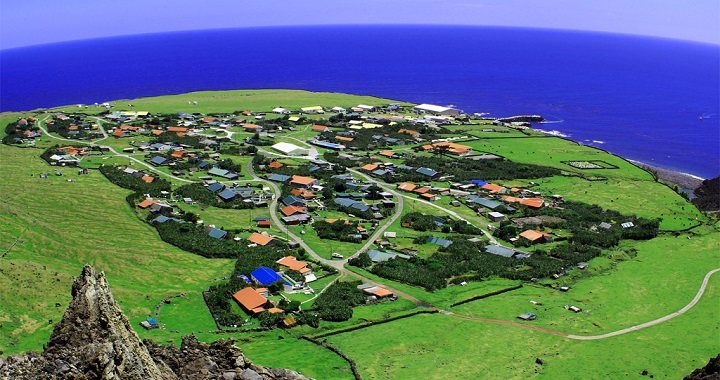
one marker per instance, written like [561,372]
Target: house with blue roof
[217,233]
[439,241]
[379,256]
[428,172]
[352,203]
[329,145]
[292,200]
[216,171]
[482,202]
[227,195]
[499,250]
[215,187]
[478,182]
[159,161]
[163,219]
[265,276]
[279,178]
[344,177]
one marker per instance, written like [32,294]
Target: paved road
[656,321]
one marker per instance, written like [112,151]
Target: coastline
[683,180]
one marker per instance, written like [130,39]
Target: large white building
[290,149]
[437,110]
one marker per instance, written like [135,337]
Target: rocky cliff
[94,340]
[708,195]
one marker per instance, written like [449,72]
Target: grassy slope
[64,225]
[239,100]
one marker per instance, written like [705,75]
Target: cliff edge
[94,340]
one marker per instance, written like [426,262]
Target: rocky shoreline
[683,180]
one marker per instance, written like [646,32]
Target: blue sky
[31,22]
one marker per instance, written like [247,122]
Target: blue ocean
[647,99]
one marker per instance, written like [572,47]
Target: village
[315,194]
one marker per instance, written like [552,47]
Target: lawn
[664,276]
[439,347]
[237,100]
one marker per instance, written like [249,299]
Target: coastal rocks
[521,119]
[94,340]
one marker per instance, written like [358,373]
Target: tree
[361,261]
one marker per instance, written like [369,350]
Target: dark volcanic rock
[94,340]
[708,195]
[710,372]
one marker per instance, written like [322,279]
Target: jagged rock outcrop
[94,340]
[710,372]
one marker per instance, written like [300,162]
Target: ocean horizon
[651,100]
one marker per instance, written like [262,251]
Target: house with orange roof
[302,193]
[320,128]
[146,203]
[251,127]
[370,167]
[306,182]
[292,263]
[421,190]
[261,239]
[533,202]
[275,165]
[250,300]
[449,147]
[292,210]
[374,290]
[409,132]
[147,178]
[428,196]
[178,153]
[157,132]
[73,128]
[389,154]
[178,129]
[275,310]
[493,188]
[119,133]
[406,186]
[264,224]
[535,236]
[208,119]
[73,151]
[343,138]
